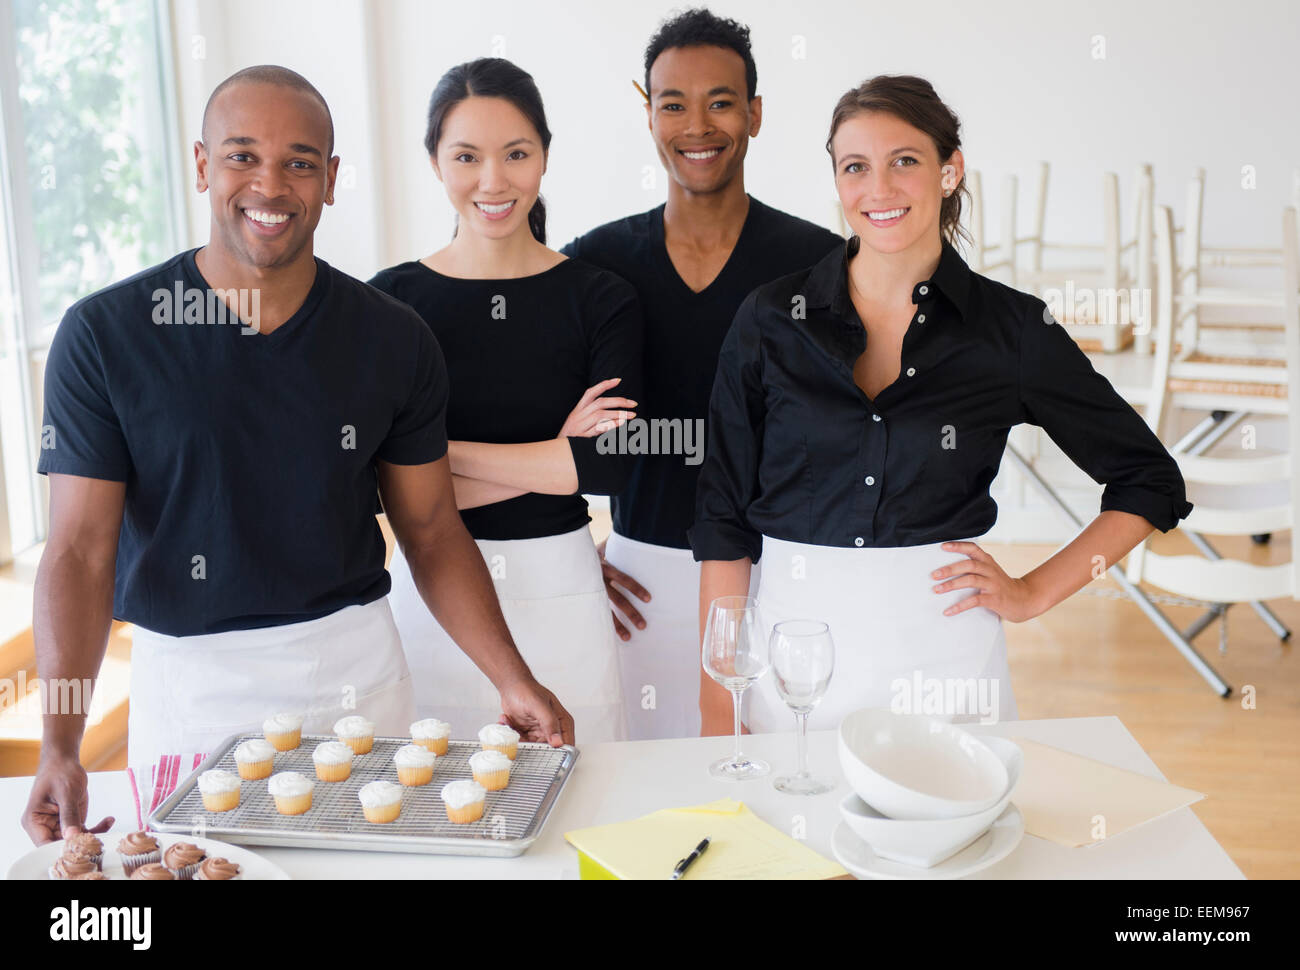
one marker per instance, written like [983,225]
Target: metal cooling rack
[512,818]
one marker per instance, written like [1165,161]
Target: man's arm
[71,618]
[454,582]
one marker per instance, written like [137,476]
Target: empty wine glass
[735,655]
[803,658]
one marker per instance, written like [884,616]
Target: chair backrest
[1000,259]
[1007,250]
[975,220]
[1036,237]
[1273,488]
[1142,270]
[1189,282]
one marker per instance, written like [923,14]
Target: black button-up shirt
[797,451]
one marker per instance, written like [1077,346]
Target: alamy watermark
[656,436]
[946,697]
[190,306]
[1089,305]
[57,695]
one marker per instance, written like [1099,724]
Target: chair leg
[1265,614]
[1204,620]
[1207,424]
[1208,673]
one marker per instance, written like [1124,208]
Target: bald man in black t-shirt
[218,430]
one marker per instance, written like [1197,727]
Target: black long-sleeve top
[520,353]
[796,450]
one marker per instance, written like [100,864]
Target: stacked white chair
[1118,277]
[1233,496]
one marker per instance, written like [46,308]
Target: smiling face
[891,181]
[490,160]
[263,159]
[700,115]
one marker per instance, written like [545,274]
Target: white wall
[1182,85]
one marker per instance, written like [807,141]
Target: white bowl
[927,842]
[910,767]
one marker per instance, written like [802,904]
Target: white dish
[36,864]
[993,846]
[927,842]
[910,767]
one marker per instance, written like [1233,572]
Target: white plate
[993,846]
[36,864]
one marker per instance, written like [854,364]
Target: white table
[615,782]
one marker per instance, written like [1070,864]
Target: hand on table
[614,575]
[1010,598]
[536,713]
[57,805]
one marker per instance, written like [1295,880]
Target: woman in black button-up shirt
[858,418]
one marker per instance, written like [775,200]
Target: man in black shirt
[215,484]
[692,260]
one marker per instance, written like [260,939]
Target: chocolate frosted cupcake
[183,859]
[93,874]
[152,870]
[215,868]
[136,850]
[84,845]
[72,867]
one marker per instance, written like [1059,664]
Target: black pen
[685,863]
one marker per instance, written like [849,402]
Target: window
[90,183]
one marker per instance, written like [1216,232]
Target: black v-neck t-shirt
[683,334]
[249,458]
[520,354]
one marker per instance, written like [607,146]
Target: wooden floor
[1092,655]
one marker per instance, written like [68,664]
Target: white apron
[190,693]
[553,599]
[894,648]
[661,664]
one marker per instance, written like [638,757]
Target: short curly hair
[702,28]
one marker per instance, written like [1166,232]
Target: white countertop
[620,781]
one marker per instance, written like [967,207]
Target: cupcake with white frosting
[283,730]
[463,801]
[500,737]
[220,790]
[333,761]
[381,801]
[255,759]
[432,734]
[491,769]
[356,732]
[414,765]
[291,791]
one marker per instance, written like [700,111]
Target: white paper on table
[1076,801]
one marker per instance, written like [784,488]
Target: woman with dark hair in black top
[526,333]
[859,415]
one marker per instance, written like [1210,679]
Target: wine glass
[803,658]
[735,655]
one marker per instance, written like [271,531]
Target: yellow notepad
[743,846]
